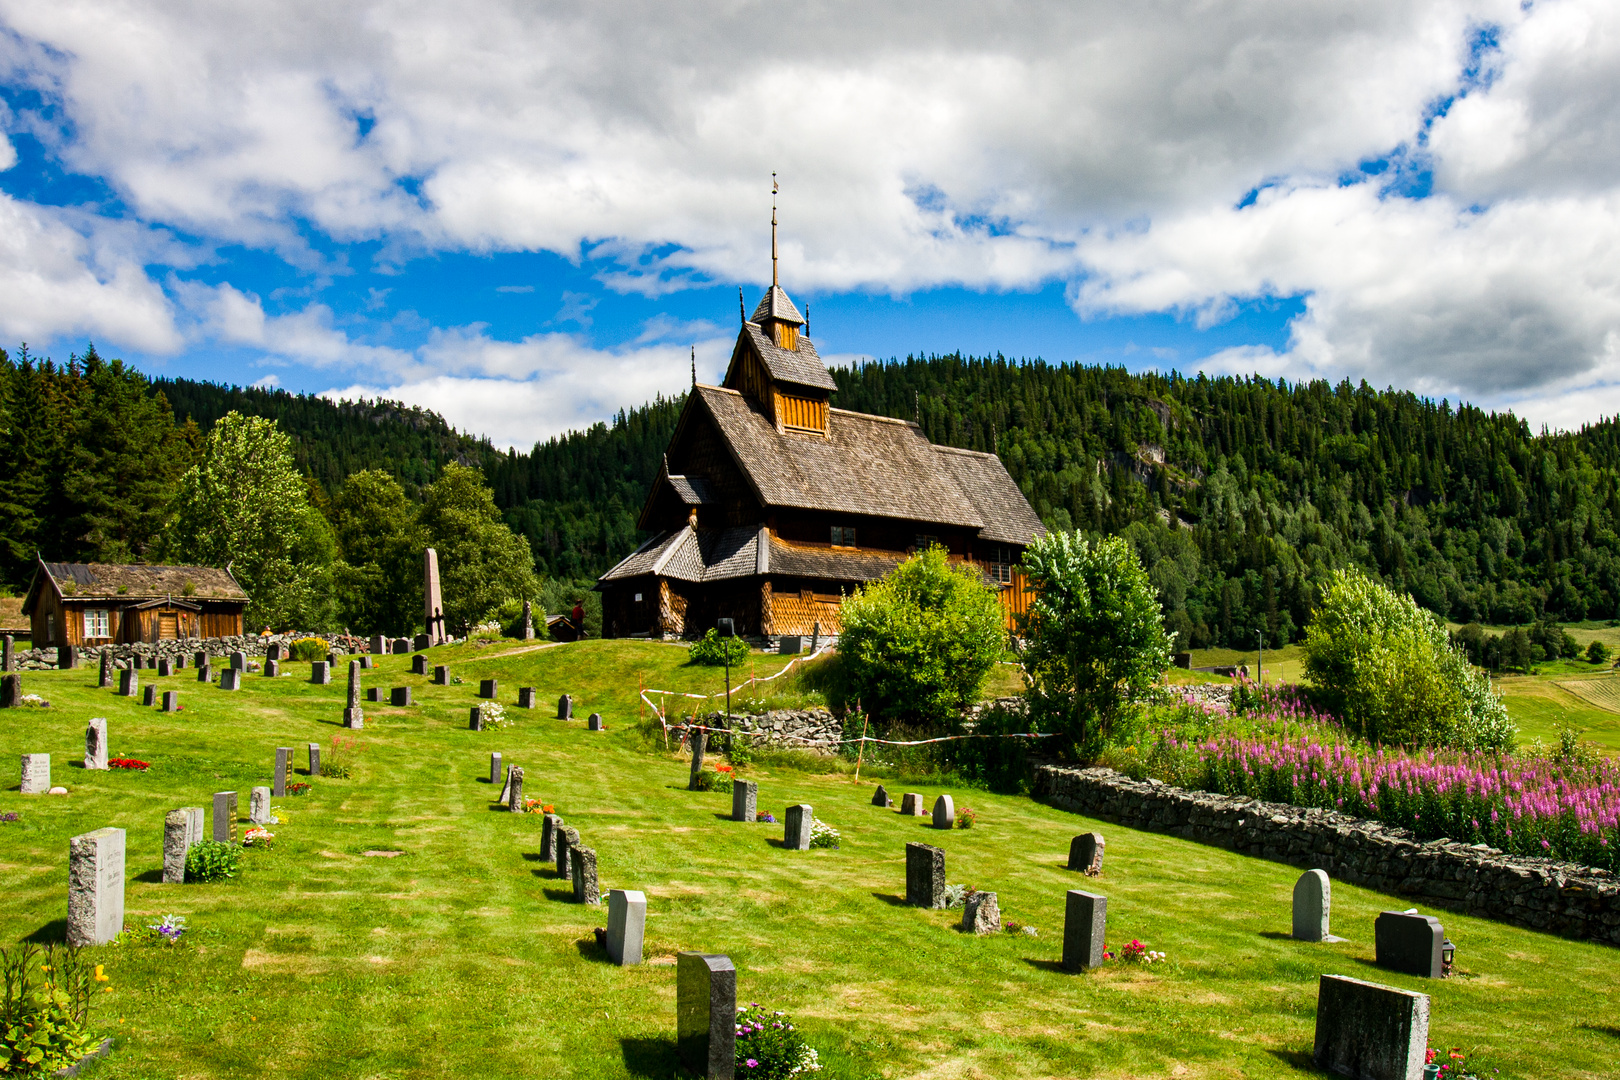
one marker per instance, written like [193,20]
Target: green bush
[919,643]
[1597,653]
[212,860]
[713,650]
[773,1044]
[1000,764]
[44,1009]
[310,648]
[1390,670]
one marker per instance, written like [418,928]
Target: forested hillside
[1239,494]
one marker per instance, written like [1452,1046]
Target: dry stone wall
[797,729]
[1541,894]
[251,644]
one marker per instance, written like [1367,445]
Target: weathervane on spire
[774,189]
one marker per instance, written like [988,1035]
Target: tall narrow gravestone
[432,604]
[320,673]
[67,657]
[314,759]
[514,790]
[105,679]
[565,708]
[225,817]
[36,774]
[283,766]
[527,629]
[584,870]
[744,800]
[149,695]
[925,875]
[911,805]
[353,717]
[129,682]
[11,691]
[1085,925]
[694,781]
[1369,1031]
[495,767]
[1409,943]
[1086,853]
[171,701]
[95,743]
[205,673]
[418,664]
[259,806]
[489,688]
[95,887]
[506,786]
[181,829]
[526,697]
[801,819]
[706,1014]
[1313,904]
[549,827]
[627,926]
[564,840]
[7,657]
[165,667]
[944,812]
[475,718]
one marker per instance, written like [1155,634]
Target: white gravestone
[95,887]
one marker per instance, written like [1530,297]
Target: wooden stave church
[772,505]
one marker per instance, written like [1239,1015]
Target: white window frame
[98,627]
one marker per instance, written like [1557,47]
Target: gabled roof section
[869,465]
[687,554]
[132,583]
[801,366]
[692,490]
[776,305]
[1007,515]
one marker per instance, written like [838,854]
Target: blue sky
[509,214]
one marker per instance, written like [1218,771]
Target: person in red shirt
[578,617]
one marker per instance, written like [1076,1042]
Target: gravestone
[563,841]
[149,695]
[796,828]
[925,875]
[495,767]
[374,693]
[225,817]
[1085,924]
[399,696]
[379,644]
[514,790]
[165,667]
[584,871]
[239,660]
[314,759]
[944,812]
[402,646]
[699,737]
[420,641]
[1086,853]
[527,629]
[272,669]
[489,688]
[565,708]
[272,651]
[367,663]
[8,657]
[432,604]
[911,805]
[981,914]
[259,806]
[594,722]
[1313,904]
[199,659]
[627,926]
[744,800]
[205,673]
[230,678]
[95,887]
[181,829]
[353,716]
[789,645]
[549,826]
[283,767]
[171,701]
[526,697]
[106,668]
[706,1014]
[129,682]
[95,743]
[418,664]
[1408,943]
[67,658]
[36,774]
[880,797]
[332,660]
[441,675]
[320,673]
[180,662]
[475,718]
[11,692]
[1369,1031]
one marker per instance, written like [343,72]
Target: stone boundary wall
[790,729]
[1541,894]
[251,644]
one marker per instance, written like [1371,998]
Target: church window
[843,536]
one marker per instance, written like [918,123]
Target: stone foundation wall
[1541,894]
[788,729]
[251,644]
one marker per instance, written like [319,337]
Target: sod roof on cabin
[140,581]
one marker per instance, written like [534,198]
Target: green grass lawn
[465,957]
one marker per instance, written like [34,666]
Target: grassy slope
[463,957]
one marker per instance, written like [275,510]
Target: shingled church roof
[776,305]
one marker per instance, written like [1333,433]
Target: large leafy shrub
[1096,634]
[919,643]
[310,648]
[44,1009]
[714,650]
[1390,670]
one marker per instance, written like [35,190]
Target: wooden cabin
[772,505]
[91,604]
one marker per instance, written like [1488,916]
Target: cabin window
[96,623]
[1000,564]
[50,627]
[925,541]
[638,598]
[843,536]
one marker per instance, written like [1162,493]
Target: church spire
[775,280]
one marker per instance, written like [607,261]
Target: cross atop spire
[775,280]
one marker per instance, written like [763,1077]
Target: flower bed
[128,763]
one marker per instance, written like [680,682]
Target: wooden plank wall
[801,412]
[798,612]
[1016,599]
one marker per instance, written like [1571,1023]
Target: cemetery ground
[464,955]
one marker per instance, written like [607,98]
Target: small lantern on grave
[1448,952]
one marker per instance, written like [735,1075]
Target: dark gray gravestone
[67,658]
[181,829]
[283,767]
[526,697]
[230,679]
[911,805]
[8,660]
[320,673]
[925,875]
[399,695]
[171,701]
[379,644]
[441,675]
[514,790]
[272,651]
[506,787]
[880,797]
[272,669]
[149,695]
[106,668]
[165,667]
[489,688]
[199,659]
[314,749]
[706,1014]
[421,641]
[1085,925]
[129,682]
[549,826]
[402,646]
[593,722]
[239,660]
[95,887]
[1369,1031]
[744,800]
[332,660]
[1086,853]
[418,664]
[564,839]
[225,817]
[790,646]
[1408,943]
[584,870]
[180,662]
[800,819]
[699,737]
[374,693]
[495,767]
[11,692]
[565,708]
[205,673]
[367,663]
[475,718]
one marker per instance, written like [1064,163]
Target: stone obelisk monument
[433,606]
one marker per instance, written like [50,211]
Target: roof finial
[694,365]
[742,308]
[774,189]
